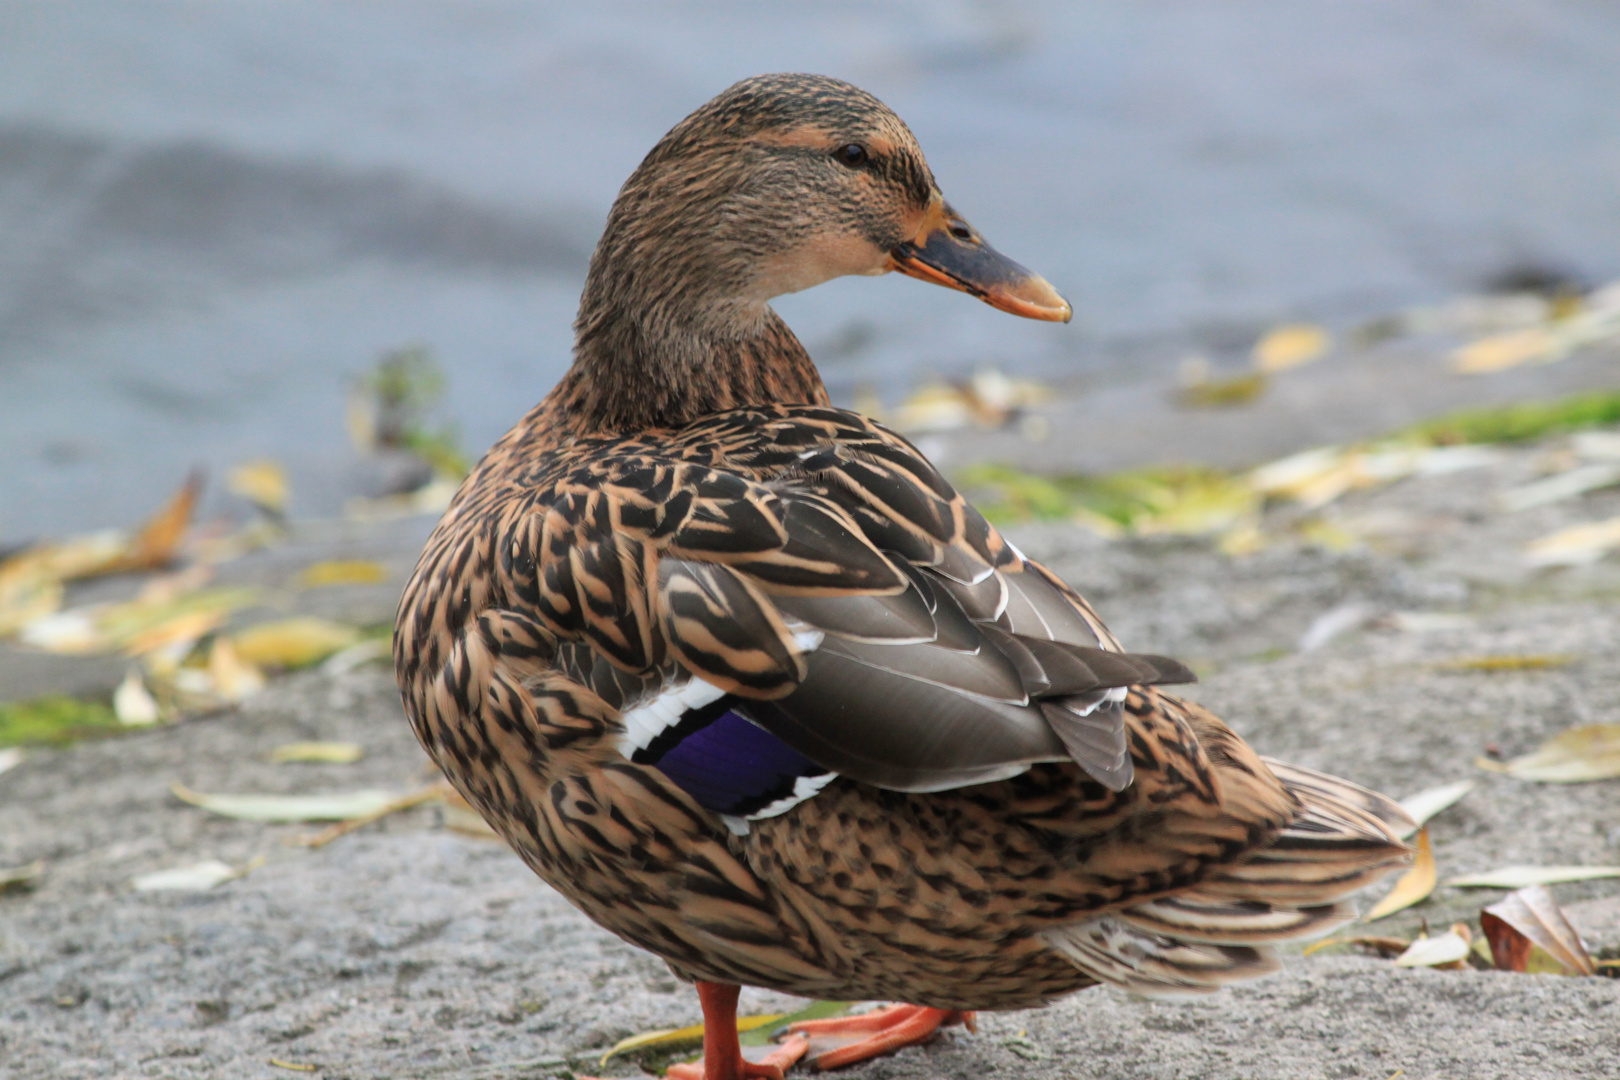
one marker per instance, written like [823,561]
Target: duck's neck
[638,369]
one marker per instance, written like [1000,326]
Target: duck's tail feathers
[1198,940]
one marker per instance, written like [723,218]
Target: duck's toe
[883,1031]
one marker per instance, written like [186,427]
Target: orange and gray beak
[948,251]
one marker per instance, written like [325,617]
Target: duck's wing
[767,626]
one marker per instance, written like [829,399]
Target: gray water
[214,215]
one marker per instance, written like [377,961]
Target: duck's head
[778,184]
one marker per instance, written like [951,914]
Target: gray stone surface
[410,950]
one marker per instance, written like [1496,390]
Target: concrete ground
[409,949]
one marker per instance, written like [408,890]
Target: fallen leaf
[1564,485]
[364,652]
[343,572]
[292,643]
[10,758]
[1384,946]
[285,808]
[1578,545]
[1430,801]
[1448,949]
[193,878]
[159,539]
[133,703]
[27,602]
[262,482]
[21,878]
[1578,755]
[436,791]
[295,1066]
[1508,662]
[232,678]
[1519,877]
[1530,921]
[54,719]
[1414,885]
[325,753]
[1290,345]
[1222,393]
[1502,351]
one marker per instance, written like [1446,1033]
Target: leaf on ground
[1429,802]
[1222,393]
[1386,947]
[1578,545]
[28,601]
[10,758]
[1523,420]
[1529,932]
[21,878]
[1564,485]
[1576,756]
[1502,351]
[133,702]
[1414,885]
[751,1030]
[54,719]
[1448,950]
[231,678]
[324,753]
[343,572]
[262,482]
[286,808]
[1290,346]
[816,1010]
[363,652]
[158,541]
[196,877]
[1520,877]
[292,643]
[1508,662]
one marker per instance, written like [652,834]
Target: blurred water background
[215,216]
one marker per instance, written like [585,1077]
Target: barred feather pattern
[576,575]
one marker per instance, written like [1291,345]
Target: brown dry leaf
[292,643]
[343,572]
[1529,932]
[263,483]
[159,539]
[1580,754]
[1414,885]
[1290,346]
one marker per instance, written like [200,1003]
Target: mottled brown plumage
[685,533]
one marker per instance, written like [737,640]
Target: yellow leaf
[326,753]
[343,572]
[1414,885]
[1502,351]
[1575,756]
[159,539]
[1577,545]
[1290,345]
[291,643]
[233,678]
[186,627]
[1508,662]
[262,482]
[676,1037]
[28,601]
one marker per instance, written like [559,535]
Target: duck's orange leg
[722,1056]
[884,1031]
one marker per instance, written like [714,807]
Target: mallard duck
[743,677]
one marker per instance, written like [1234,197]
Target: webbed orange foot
[770,1067]
[881,1031]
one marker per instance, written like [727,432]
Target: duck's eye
[851,154]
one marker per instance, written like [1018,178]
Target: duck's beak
[950,252]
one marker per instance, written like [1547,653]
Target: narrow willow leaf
[133,703]
[325,753]
[343,572]
[1447,948]
[1520,877]
[10,758]
[1429,802]
[1580,754]
[159,539]
[284,808]
[816,1010]
[194,878]
[1530,922]
[1414,885]
[21,878]
[1290,345]
[292,643]
[262,482]
[1577,545]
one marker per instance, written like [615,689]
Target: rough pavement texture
[411,950]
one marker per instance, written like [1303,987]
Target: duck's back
[765,696]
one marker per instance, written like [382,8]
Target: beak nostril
[961,231]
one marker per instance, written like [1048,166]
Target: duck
[748,681]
